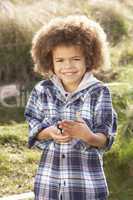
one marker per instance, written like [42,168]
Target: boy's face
[69,65]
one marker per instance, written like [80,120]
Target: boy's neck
[70,88]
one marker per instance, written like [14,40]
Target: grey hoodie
[87,81]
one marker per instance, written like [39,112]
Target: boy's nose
[68,64]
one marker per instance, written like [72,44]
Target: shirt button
[63,156]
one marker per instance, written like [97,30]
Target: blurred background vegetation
[19,20]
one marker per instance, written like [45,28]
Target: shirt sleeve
[35,120]
[105,118]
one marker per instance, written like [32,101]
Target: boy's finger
[67,124]
[62,137]
[80,121]
[67,121]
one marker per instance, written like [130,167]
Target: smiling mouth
[69,73]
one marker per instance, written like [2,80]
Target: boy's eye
[76,59]
[60,60]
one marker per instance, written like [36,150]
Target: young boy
[70,115]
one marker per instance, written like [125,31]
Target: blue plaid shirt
[73,170]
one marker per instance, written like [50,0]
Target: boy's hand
[73,129]
[53,133]
[58,137]
[79,129]
[76,129]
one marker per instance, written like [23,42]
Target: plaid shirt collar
[87,81]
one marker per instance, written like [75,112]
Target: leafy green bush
[15,42]
[126,57]
[114,24]
[111,19]
[118,161]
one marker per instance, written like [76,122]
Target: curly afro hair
[70,30]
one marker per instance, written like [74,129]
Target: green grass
[13,134]
[18,164]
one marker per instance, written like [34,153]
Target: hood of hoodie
[86,81]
